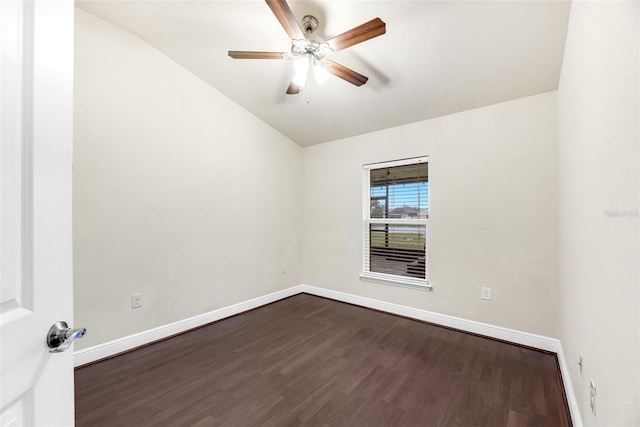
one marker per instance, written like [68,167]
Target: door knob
[61,336]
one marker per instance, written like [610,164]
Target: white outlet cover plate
[136,300]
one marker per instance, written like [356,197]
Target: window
[395,220]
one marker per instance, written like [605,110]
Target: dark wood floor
[307,360]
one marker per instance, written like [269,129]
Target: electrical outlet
[486,294]
[592,396]
[581,363]
[136,300]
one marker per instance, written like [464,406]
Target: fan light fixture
[309,54]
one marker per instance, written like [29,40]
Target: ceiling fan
[311,54]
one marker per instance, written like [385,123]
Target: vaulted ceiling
[436,58]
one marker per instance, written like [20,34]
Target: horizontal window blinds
[399,192]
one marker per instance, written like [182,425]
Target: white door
[36,96]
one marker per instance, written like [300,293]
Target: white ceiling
[437,57]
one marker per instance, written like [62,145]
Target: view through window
[396,220]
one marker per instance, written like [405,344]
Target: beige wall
[178,192]
[598,208]
[493,209]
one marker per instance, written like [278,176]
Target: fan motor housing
[309,24]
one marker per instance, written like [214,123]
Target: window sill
[395,282]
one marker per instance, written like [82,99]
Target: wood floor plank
[307,360]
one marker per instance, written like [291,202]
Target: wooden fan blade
[281,9]
[246,54]
[293,89]
[346,74]
[359,34]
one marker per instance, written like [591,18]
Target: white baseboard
[111,348]
[568,389]
[101,351]
[511,335]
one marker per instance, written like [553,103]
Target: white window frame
[390,279]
